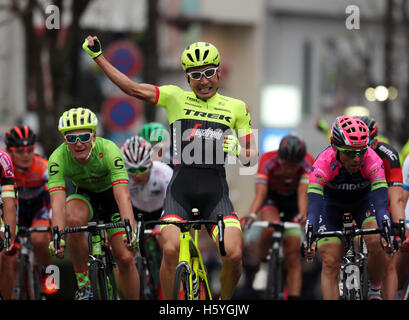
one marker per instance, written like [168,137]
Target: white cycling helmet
[137,152]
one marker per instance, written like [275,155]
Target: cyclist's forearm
[397,203]
[58,208]
[116,76]
[123,199]
[302,199]
[261,193]
[10,216]
[315,206]
[142,91]
[379,198]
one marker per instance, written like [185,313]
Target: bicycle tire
[98,279]
[181,286]
[364,281]
[151,284]
[142,275]
[36,283]
[110,275]
[274,286]
[22,280]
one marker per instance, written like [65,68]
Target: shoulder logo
[118,163]
[53,169]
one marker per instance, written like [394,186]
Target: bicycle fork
[188,252]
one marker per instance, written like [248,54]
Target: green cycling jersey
[198,126]
[104,170]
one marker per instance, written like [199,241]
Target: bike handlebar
[188,223]
[92,226]
[267,224]
[348,232]
[24,230]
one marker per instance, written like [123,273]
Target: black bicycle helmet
[20,136]
[291,149]
[371,124]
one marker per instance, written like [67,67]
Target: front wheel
[98,279]
[274,278]
[181,287]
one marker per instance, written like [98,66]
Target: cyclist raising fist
[203,123]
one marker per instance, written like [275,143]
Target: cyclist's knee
[233,253]
[373,244]
[124,258]
[40,239]
[75,219]
[331,262]
[170,251]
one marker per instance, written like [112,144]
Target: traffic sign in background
[120,113]
[126,57]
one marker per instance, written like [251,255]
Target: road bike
[100,263]
[353,272]
[275,258]
[147,260]
[191,280]
[29,279]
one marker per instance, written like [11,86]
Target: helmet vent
[197,54]
[190,57]
[205,54]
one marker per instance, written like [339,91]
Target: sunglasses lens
[196,75]
[134,171]
[210,73]
[353,153]
[83,137]
[22,150]
[71,138]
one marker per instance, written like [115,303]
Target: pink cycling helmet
[349,131]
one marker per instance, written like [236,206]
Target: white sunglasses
[197,75]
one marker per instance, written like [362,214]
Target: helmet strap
[92,146]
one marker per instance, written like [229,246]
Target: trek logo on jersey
[216,116]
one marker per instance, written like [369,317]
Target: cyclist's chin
[80,156]
[353,169]
[205,94]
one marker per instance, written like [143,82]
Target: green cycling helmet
[200,54]
[153,132]
[76,119]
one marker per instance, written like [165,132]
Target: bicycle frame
[26,266]
[189,253]
[275,283]
[100,257]
[351,262]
